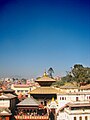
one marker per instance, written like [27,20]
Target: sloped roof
[69,86]
[61,108]
[5,111]
[45,78]
[9,89]
[78,104]
[21,85]
[29,102]
[10,95]
[44,90]
[85,87]
[7,96]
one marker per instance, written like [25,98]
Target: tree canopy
[78,74]
[50,72]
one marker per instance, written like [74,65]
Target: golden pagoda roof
[44,90]
[46,79]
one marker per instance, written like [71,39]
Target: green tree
[50,72]
[78,74]
[58,83]
[81,74]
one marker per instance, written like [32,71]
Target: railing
[27,117]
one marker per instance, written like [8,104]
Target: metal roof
[29,102]
[44,90]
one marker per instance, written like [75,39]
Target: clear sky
[38,34]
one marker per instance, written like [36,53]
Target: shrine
[30,109]
[45,92]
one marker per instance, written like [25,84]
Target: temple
[37,106]
[45,92]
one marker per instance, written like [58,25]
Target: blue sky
[38,34]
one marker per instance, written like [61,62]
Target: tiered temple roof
[45,80]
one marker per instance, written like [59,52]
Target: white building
[77,111]
[69,88]
[72,104]
[64,98]
[23,89]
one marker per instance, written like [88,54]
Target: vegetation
[50,72]
[78,74]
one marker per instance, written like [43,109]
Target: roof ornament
[45,74]
[52,98]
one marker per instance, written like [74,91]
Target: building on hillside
[69,88]
[85,88]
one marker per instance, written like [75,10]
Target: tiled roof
[9,90]
[21,86]
[5,111]
[29,102]
[44,90]
[45,78]
[74,93]
[10,95]
[68,87]
[7,96]
[78,104]
[85,87]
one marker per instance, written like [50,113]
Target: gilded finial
[45,74]
[53,99]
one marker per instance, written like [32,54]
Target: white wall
[71,97]
[71,117]
[5,103]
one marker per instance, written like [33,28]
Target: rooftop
[29,102]
[44,90]
[85,87]
[7,96]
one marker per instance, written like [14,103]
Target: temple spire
[45,74]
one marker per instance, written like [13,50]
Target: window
[74,118]
[80,118]
[26,91]
[86,118]
[26,95]
[62,98]
[18,90]
[76,98]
